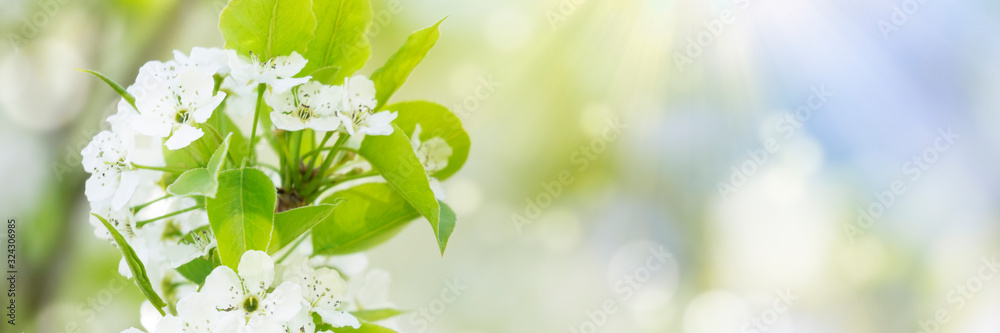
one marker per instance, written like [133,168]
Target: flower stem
[312,161]
[314,183]
[182,211]
[256,116]
[294,246]
[136,209]
[296,143]
[164,169]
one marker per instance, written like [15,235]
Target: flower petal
[282,304]
[288,66]
[169,324]
[197,311]
[203,112]
[281,102]
[126,187]
[150,125]
[379,124]
[257,271]
[100,185]
[282,85]
[301,322]
[287,122]
[324,124]
[337,318]
[183,137]
[225,288]
[327,290]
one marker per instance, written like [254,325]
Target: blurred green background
[747,139]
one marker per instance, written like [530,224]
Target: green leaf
[267,28]
[376,314]
[202,181]
[242,213]
[291,224]
[340,38]
[226,126]
[366,327]
[435,121]
[135,265]
[393,157]
[114,85]
[395,71]
[195,156]
[445,226]
[325,74]
[196,270]
[370,214]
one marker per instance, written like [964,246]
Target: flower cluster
[254,300]
[174,112]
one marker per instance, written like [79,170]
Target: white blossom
[121,219]
[322,291]
[433,154]
[357,106]
[243,299]
[277,73]
[108,160]
[176,99]
[210,60]
[195,314]
[310,105]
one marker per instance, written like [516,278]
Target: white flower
[107,159]
[120,219]
[322,291]
[360,94]
[241,99]
[277,72]
[432,153]
[312,104]
[302,322]
[371,291]
[179,98]
[377,124]
[358,103]
[195,314]
[211,60]
[244,299]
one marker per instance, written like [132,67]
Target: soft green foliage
[114,85]
[446,225]
[196,270]
[340,39]
[134,265]
[376,314]
[393,157]
[267,28]
[241,214]
[395,71]
[291,224]
[202,181]
[325,74]
[369,215]
[435,121]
